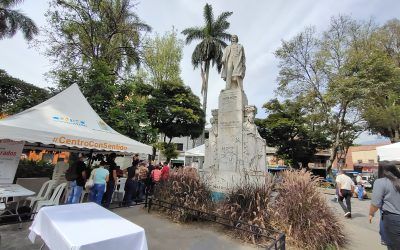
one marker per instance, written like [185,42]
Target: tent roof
[67,120]
[389,152]
[197,151]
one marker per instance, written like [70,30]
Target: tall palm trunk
[205,91]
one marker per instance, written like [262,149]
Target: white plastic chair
[83,194]
[119,190]
[44,193]
[54,199]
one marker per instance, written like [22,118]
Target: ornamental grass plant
[248,207]
[302,212]
[184,188]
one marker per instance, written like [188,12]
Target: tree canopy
[83,33]
[162,58]
[175,111]
[287,127]
[317,69]
[17,95]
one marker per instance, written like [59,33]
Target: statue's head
[234,39]
[214,113]
[250,112]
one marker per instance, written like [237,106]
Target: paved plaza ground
[363,236]
[163,234]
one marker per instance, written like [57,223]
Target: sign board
[10,153]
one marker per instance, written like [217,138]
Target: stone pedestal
[230,129]
[235,152]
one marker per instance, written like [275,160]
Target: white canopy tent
[195,156]
[197,151]
[389,152]
[68,121]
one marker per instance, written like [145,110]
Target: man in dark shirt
[76,186]
[131,183]
[112,169]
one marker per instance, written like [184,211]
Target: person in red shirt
[165,172]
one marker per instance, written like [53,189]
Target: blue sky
[260,25]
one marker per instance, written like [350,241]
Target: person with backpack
[76,175]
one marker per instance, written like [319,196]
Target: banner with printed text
[10,153]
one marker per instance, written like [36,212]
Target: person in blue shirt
[100,179]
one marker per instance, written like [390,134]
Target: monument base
[235,151]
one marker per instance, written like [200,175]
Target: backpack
[156,174]
[71,174]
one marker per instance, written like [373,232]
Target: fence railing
[278,239]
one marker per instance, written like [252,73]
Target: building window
[371,161]
[359,161]
[206,135]
[179,146]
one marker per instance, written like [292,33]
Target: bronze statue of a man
[234,64]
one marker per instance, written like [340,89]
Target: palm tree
[209,50]
[13,20]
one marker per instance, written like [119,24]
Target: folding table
[86,226]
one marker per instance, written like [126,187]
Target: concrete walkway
[362,234]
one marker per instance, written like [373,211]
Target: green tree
[97,44]
[378,68]
[17,95]
[174,111]
[288,128]
[315,69]
[13,20]
[209,51]
[83,33]
[162,58]
[129,116]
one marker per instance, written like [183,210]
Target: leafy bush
[249,204]
[302,212]
[34,169]
[184,188]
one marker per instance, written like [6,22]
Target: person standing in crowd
[149,181]
[131,183]
[112,169]
[358,179]
[141,172]
[345,187]
[76,175]
[156,174]
[100,178]
[386,196]
[165,172]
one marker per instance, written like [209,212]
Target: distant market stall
[63,122]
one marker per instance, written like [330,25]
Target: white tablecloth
[86,226]
[14,190]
